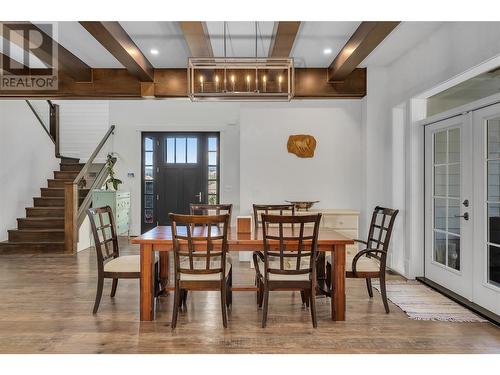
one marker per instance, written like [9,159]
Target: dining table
[159,240]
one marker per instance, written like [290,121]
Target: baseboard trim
[481,311]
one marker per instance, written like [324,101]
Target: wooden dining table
[159,240]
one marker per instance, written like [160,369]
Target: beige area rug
[420,302]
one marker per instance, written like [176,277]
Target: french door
[449,216]
[462,188]
[486,278]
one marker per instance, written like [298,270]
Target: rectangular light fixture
[240,79]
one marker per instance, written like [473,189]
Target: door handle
[199,196]
[465,216]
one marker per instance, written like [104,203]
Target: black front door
[183,171]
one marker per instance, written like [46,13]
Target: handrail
[87,165]
[98,182]
[40,120]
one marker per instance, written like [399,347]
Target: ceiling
[166,37]
[313,39]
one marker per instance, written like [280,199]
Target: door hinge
[158,143]
[157,197]
[157,169]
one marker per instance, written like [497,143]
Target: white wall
[26,162]
[133,117]
[83,125]
[269,174]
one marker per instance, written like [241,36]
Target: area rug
[420,302]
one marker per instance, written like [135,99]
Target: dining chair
[200,251]
[211,209]
[370,262]
[273,209]
[110,264]
[289,259]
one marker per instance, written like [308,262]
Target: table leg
[147,283]
[164,271]
[338,282]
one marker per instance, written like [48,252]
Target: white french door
[448,189]
[462,205]
[486,275]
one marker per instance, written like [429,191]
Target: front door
[449,211]
[179,169]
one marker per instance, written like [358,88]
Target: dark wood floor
[46,302]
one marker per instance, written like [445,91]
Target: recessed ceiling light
[327,51]
[154,51]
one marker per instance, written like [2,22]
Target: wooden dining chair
[211,209]
[370,262]
[289,259]
[273,209]
[200,251]
[110,264]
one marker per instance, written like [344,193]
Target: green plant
[110,162]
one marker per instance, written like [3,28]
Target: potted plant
[110,162]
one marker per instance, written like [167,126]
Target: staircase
[43,227]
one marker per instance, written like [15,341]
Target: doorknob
[199,196]
[465,216]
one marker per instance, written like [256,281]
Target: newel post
[70,217]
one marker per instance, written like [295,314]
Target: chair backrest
[200,243]
[104,233]
[273,209]
[295,248]
[382,223]
[211,209]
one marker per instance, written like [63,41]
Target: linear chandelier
[240,78]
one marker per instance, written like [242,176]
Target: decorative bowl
[302,205]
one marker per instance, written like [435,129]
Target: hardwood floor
[46,302]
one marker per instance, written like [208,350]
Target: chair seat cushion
[201,265]
[125,263]
[289,264]
[229,258]
[364,263]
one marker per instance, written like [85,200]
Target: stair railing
[52,128]
[92,176]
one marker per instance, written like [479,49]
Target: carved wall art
[302,145]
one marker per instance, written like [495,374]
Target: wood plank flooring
[46,302]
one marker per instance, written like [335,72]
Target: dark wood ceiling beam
[364,40]
[115,39]
[197,38]
[310,83]
[284,34]
[68,63]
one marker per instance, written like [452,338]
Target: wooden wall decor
[302,145]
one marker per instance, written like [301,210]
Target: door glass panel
[180,150]
[453,216]
[494,265]
[170,150]
[493,181]
[440,247]
[454,180]
[454,252]
[493,202]
[454,145]
[494,139]
[440,214]
[440,146]
[192,150]
[447,206]
[440,180]
[212,158]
